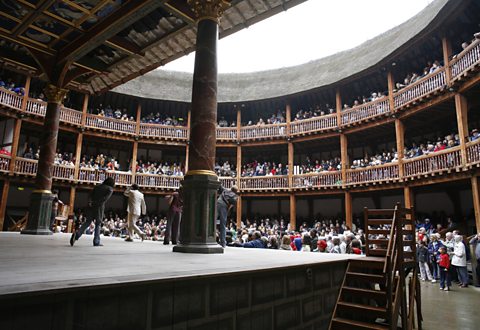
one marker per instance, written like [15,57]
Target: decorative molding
[55,94]
[208,9]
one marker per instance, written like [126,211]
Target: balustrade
[4,163]
[227,181]
[25,166]
[466,60]
[111,124]
[227,133]
[264,182]
[36,107]
[88,175]
[315,124]
[70,116]
[318,180]
[158,181]
[435,162]
[473,152]
[263,131]
[366,111]
[428,84]
[10,99]
[163,131]
[369,174]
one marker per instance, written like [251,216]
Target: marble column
[200,185]
[41,199]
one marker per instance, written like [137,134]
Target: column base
[39,214]
[198,248]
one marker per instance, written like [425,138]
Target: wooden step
[378,241]
[386,232]
[379,221]
[366,277]
[367,293]
[360,309]
[381,212]
[369,263]
[377,252]
[341,324]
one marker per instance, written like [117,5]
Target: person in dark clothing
[55,204]
[226,200]
[256,242]
[96,209]
[174,217]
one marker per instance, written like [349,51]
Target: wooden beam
[338,105]
[400,138]
[125,46]
[138,118]
[293,212]
[476,202]
[348,209]
[27,91]
[134,158]
[16,137]
[391,87]
[71,203]
[288,114]
[3,202]
[344,157]
[84,109]
[126,15]
[290,164]
[34,14]
[239,121]
[239,165]
[447,53]
[187,146]
[461,108]
[239,212]
[78,154]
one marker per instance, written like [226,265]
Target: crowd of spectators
[157,118]
[109,112]
[10,85]
[317,112]
[100,162]
[412,77]
[64,158]
[159,167]
[276,118]
[375,160]
[317,166]
[256,168]
[225,169]
[359,100]
[224,123]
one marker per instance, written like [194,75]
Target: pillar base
[39,214]
[198,248]
[197,228]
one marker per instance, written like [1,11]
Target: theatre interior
[368,159]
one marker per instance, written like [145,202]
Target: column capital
[208,9]
[55,94]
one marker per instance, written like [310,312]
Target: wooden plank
[293,212]
[461,109]
[3,202]
[476,201]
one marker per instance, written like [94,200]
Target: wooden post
[409,197]
[3,202]
[391,87]
[476,202]
[85,109]
[78,155]
[348,209]
[447,52]
[400,137]
[290,164]
[344,157]
[293,212]
[288,115]
[239,122]
[16,138]
[187,146]
[134,160]
[461,108]
[338,105]
[138,118]
[239,212]
[239,165]
[27,91]
[71,203]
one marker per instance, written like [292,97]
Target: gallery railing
[263,131]
[473,152]
[366,111]
[4,163]
[163,131]
[10,99]
[315,124]
[468,59]
[88,175]
[318,180]
[29,167]
[227,133]
[111,124]
[439,161]
[378,173]
[264,182]
[157,181]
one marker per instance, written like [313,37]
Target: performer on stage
[55,205]
[174,216]
[136,207]
[226,200]
[96,209]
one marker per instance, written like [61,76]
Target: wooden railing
[158,181]
[163,131]
[111,124]
[473,152]
[10,99]
[227,181]
[426,85]
[70,116]
[64,172]
[263,131]
[366,111]
[5,163]
[264,182]
[227,133]
[25,166]
[378,173]
[315,124]
[318,180]
[440,161]
[88,175]
[468,59]
[36,107]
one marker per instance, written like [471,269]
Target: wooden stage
[44,273]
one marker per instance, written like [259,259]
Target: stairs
[373,295]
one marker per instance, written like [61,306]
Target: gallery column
[200,185]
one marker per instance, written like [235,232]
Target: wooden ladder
[373,292]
